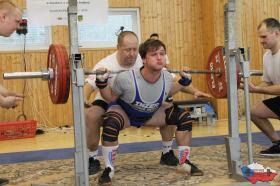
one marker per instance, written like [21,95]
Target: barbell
[58,73]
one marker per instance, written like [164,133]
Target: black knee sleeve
[113,123]
[179,117]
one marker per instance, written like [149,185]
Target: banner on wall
[54,12]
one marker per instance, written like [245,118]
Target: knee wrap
[179,117]
[113,123]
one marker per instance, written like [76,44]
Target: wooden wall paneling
[172,35]
[177,33]
[207,32]
[198,59]
[174,22]
[156,17]
[167,33]
[210,35]
[164,27]
[60,35]
[88,57]
[181,45]
[278,10]
[33,105]
[186,34]
[181,34]
[5,63]
[42,97]
[124,3]
[142,21]
[176,44]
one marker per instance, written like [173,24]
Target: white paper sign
[54,12]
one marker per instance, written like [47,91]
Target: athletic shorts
[101,103]
[134,121]
[273,104]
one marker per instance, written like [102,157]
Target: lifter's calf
[93,121]
[93,118]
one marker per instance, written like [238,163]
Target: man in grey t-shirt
[137,99]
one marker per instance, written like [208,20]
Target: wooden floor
[64,138]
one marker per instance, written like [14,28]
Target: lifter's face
[128,50]
[10,21]
[155,59]
[268,37]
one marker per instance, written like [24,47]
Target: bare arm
[9,101]
[195,92]
[265,88]
[88,90]
[175,87]
[3,91]
[108,94]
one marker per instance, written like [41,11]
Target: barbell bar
[47,74]
[58,72]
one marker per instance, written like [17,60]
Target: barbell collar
[47,74]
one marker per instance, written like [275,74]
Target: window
[102,36]
[37,38]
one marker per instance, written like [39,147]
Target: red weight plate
[62,75]
[55,61]
[54,83]
[66,74]
[217,83]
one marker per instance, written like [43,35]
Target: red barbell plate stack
[59,86]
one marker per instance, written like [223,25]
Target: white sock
[109,155]
[93,154]
[183,154]
[166,146]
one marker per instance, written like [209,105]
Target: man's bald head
[10,17]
